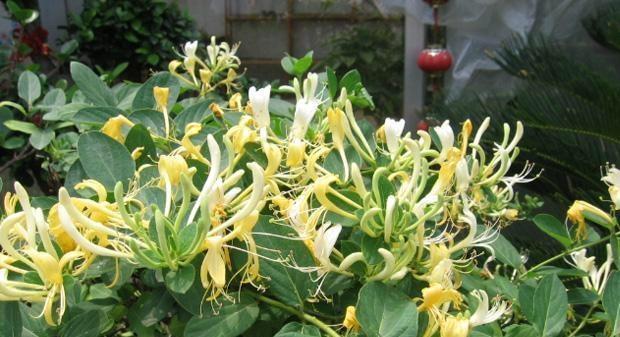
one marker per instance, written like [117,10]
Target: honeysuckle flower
[189,59]
[304,112]
[436,295]
[350,320]
[190,48]
[213,268]
[463,179]
[393,131]
[114,127]
[324,243]
[453,326]
[446,138]
[581,210]
[484,315]
[191,130]
[597,278]
[338,126]
[612,179]
[161,100]
[296,153]
[259,103]
[242,133]
[171,167]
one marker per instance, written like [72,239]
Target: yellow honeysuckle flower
[581,210]
[137,152]
[114,127]
[454,327]
[171,167]
[205,77]
[94,185]
[321,188]
[234,102]
[213,268]
[192,129]
[350,320]
[296,153]
[436,294]
[216,109]
[173,65]
[241,134]
[465,134]
[161,95]
[10,201]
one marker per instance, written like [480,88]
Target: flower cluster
[422,206]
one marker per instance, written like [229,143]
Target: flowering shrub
[190,215]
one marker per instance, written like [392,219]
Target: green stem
[565,253]
[302,315]
[583,321]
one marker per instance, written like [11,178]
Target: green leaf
[23,15]
[29,87]
[144,97]
[95,115]
[350,80]
[370,247]
[195,113]
[53,98]
[68,47]
[288,64]
[386,312]
[289,285]
[152,307]
[152,59]
[137,137]
[296,329]
[25,127]
[506,253]
[93,88]
[181,280]
[521,331]
[105,159]
[550,306]
[153,120]
[526,300]
[611,302]
[554,228]
[41,138]
[231,320]
[11,322]
[581,296]
[90,323]
[303,64]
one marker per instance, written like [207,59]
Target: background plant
[376,52]
[144,33]
[568,106]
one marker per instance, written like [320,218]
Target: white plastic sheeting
[474,26]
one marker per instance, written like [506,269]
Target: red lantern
[433,60]
[422,125]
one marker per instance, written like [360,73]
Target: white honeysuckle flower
[259,100]
[310,84]
[324,242]
[190,49]
[484,315]
[463,177]
[393,131]
[446,138]
[597,277]
[612,179]
[304,112]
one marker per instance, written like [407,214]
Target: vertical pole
[413,97]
